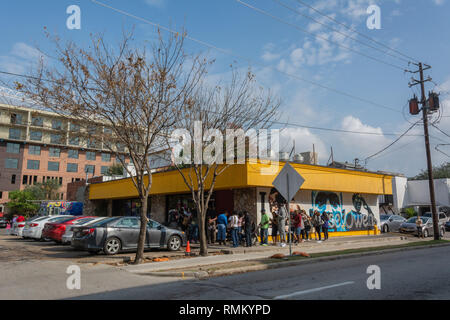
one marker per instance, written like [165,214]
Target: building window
[120,147]
[55,138]
[35,150]
[54,152]
[33,164]
[72,167]
[35,135]
[90,155]
[34,179]
[89,169]
[16,118]
[104,170]
[106,157]
[11,163]
[92,143]
[74,141]
[53,166]
[74,127]
[25,179]
[120,157]
[13,179]
[14,134]
[60,180]
[57,124]
[37,121]
[107,130]
[72,154]
[13,148]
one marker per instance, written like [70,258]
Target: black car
[447,226]
[116,234]
[3,222]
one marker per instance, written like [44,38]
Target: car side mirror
[390,219]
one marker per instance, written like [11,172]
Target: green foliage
[115,170]
[440,172]
[45,191]
[410,212]
[20,203]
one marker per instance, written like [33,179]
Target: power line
[392,143]
[355,31]
[338,31]
[343,93]
[318,36]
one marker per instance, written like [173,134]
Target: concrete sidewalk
[261,252]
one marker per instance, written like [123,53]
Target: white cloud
[21,57]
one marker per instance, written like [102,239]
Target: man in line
[264,224]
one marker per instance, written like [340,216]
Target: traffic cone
[188,249]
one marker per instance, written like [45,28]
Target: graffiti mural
[340,220]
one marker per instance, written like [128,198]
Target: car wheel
[174,243]
[385,228]
[425,233]
[112,246]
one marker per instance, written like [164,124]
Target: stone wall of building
[158,208]
[245,200]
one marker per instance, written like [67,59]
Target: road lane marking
[313,290]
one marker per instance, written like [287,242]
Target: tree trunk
[202,232]
[142,233]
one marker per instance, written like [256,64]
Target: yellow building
[350,196]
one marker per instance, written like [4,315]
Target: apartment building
[36,146]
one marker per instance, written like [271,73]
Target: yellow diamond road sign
[288,182]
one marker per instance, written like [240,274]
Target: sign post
[287,183]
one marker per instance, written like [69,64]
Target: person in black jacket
[248,227]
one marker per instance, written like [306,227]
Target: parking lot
[14,248]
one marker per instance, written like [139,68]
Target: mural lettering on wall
[340,220]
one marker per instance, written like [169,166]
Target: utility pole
[423,102]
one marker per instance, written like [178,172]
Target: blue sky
[416,28]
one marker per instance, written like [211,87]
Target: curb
[205,274]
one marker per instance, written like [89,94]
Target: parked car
[55,230]
[3,222]
[409,226]
[441,216]
[17,227]
[447,226]
[390,222]
[67,236]
[116,234]
[33,229]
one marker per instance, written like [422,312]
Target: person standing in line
[419,224]
[222,222]
[264,224]
[305,225]
[234,226]
[282,215]
[248,228]
[240,225]
[211,230]
[325,220]
[274,223]
[297,226]
[317,222]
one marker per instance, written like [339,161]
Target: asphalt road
[411,275]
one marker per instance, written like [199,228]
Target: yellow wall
[250,175]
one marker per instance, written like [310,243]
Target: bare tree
[124,100]
[237,106]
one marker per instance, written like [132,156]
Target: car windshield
[60,219]
[427,214]
[413,219]
[384,217]
[104,222]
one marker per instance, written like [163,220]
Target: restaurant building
[349,196]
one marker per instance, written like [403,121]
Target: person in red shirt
[298,225]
